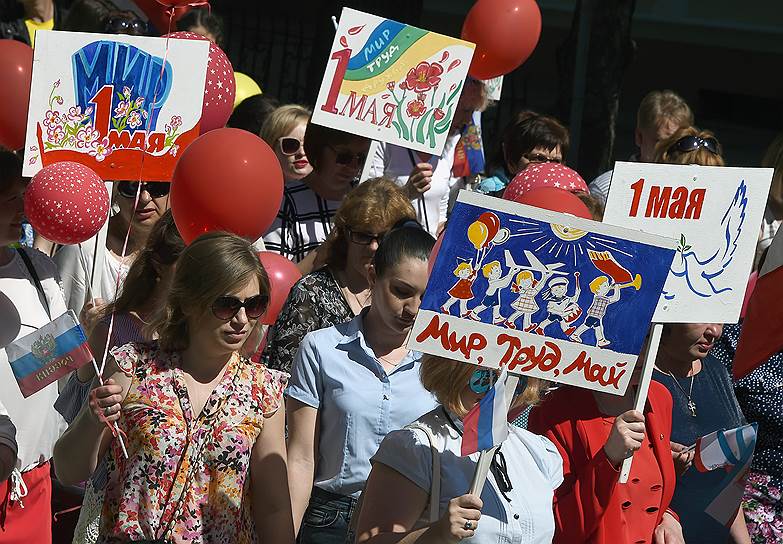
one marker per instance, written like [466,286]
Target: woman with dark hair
[340,290]
[530,138]
[203,22]
[352,384]
[202,424]
[142,294]
[309,204]
[251,113]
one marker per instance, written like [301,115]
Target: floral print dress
[186,476]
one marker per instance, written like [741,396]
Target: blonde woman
[203,426]
[284,131]
[515,505]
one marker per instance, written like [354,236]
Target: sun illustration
[568,234]
[561,241]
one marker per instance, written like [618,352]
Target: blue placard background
[626,321]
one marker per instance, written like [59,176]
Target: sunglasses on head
[346,158]
[289,145]
[364,238]
[156,189]
[686,144]
[226,307]
[123,25]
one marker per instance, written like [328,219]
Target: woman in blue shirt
[352,384]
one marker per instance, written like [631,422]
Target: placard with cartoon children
[541,292]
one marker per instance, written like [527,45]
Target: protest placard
[714,213]
[114,103]
[543,294]
[392,82]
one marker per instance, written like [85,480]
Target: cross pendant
[692,408]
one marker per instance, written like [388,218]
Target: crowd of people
[324,427]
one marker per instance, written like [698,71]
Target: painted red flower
[424,77]
[390,85]
[416,108]
[439,114]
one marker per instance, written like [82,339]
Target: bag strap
[435,487]
[36,280]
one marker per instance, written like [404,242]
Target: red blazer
[587,508]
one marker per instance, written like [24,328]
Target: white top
[76,279]
[38,425]
[599,187]
[396,163]
[534,466]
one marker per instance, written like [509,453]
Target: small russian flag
[725,448]
[486,425]
[49,353]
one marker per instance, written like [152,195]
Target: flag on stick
[725,448]
[486,425]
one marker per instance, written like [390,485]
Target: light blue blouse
[534,466]
[358,402]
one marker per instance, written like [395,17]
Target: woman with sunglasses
[284,131]
[690,145]
[531,138]
[129,217]
[309,204]
[405,501]
[143,293]
[202,425]
[340,290]
[352,384]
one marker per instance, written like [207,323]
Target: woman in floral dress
[204,434]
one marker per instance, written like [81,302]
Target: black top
[716,409]
[315,302]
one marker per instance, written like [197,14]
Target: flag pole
[644,386]
[485,459]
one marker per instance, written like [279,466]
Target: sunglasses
[686,144]
[346,158]
[539,158]
[121,25]
[157,189]
[289,145]
[363,238]
[226,307]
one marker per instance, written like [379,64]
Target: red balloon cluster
[505,33]
[16,69]
[228,179]
[219,87]
[556,200]
[66,202]
[283,274]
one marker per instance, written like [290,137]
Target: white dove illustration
[702,271]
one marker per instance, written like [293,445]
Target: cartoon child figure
[525,304]
[462,291]
[559,304]
[494,273]
[601,287]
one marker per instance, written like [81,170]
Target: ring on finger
[468,525]
[108,410]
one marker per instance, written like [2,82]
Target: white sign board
[715,214]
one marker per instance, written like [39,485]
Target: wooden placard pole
[644,386]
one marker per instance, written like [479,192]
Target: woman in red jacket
[595,432]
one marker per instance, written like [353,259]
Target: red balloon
[161,17]
[179,3]
[219,88]
[505,33]
[16,68]
[283,274]
[228,179]
[545,174]
[493,225]
[66,202]
[557,200]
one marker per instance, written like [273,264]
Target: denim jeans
[327,519]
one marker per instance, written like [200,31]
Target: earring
[481,380]
[115,209]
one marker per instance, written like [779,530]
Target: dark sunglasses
[346,158]
[686,144]
[226,307]
[363,238]
[156,189]
[122,25]
[539,158]
[289,145]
